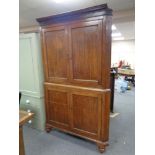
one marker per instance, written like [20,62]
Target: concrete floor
[122,134]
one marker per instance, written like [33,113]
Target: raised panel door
[56,54]
[57,108]
[27,70]
[86,50]
[86,114]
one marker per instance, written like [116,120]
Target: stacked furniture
[31,78]
[128,73]
[77,58]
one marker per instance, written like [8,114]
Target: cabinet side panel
[105,116]
[106,57]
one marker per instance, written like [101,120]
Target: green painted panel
[36,124]
[26,69]
[30,65]
[35,105]
[31,78]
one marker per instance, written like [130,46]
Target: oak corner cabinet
[77,56]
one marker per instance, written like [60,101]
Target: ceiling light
[118,38]
[116,34]
[113,27]
[59,1]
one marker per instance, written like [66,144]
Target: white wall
[123,50]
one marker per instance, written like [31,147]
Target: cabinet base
[101,145]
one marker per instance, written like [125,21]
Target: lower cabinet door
[75,109]
[86,114]
[57,107]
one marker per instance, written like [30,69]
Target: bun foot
[102,146]
[48,129]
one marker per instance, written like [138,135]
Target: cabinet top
[99,10]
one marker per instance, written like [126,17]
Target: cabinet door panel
[57,108]
[86,39]
[86,119]
[56,54]
[27,70]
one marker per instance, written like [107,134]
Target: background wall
[123,50]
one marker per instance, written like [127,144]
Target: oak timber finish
[86,114]
[83,115]
[56,54]
[24,117]
[86,40]
[95,11]
[76,49]
[58,108]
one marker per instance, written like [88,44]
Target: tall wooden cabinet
[76,55]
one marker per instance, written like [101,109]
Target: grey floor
[122,137]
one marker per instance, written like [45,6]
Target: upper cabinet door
[86,51]
[55,55]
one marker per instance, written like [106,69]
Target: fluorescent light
[113,27]
[118,38]
[118,34]
[60,1]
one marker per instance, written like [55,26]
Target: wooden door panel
[57,108]
[86,114]
[56,54]
[86,39]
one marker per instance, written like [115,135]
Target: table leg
[21,141]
